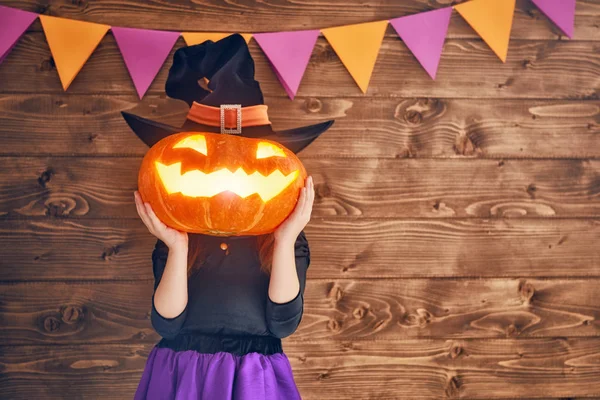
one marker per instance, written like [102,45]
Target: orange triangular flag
[192,38]
[357,47]
[71,44]
[492,20]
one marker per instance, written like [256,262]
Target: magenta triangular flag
[288,53]
[144,52]
[13,23]
[561,12]
[424,34]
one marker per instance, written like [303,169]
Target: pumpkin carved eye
[194,142]
[266,150]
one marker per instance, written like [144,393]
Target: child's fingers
[311,196]
[307,195]
[301,202]
[157,223]
[141,210]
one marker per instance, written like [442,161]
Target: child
[222,327]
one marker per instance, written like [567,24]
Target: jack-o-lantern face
[220,184]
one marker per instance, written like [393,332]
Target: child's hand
[297,220]
[171,237]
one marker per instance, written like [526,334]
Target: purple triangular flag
[424,34]
[561,12]
[288,53]
[13,23]
[144,52]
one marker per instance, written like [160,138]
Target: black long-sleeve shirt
[228,294]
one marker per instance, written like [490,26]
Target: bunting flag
[288,53]
[192,38]
[561,12]
[71,44]
[144,52]
[357,47]
[492,20]
[13,23]
[424,34]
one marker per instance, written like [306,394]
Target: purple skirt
[191,375]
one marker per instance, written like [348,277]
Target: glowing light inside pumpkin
[199,184]
[195,142]
[266,150]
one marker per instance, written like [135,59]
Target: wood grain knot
[71,314]
[45,177]
[506,83]
[453,387]
[336,293]
[531,189]
[48,65]
[455,351]
[323,375]
[322,190]
[41,8]
[406,152]
[313,105]
[464,146]
[110,252]
[51,324]
[60,207]
[346,346]
[413,117]
[141,335]
[360,312]
[411,319]
[334,325]
[527,291]
[425,316]
[418,111]
[79,3]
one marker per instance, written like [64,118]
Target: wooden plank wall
[454,234]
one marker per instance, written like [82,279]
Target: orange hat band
[227,116]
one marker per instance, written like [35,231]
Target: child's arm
[170,297]
[169,258]
[284,312]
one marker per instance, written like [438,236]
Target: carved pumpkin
[219,184]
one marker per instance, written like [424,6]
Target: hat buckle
[238,127]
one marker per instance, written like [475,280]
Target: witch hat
[232,99]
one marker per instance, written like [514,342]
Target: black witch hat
[228,68]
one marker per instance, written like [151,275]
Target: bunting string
[144,51]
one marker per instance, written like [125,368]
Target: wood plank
[423,369]
[529,22]
[530,71]
[360,187]
[342,309]
[382,127]
[340,248]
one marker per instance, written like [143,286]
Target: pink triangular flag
[561,12]
[424,34]
[288,53]
[144,52]
[13,23]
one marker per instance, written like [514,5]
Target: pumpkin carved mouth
[196,183]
